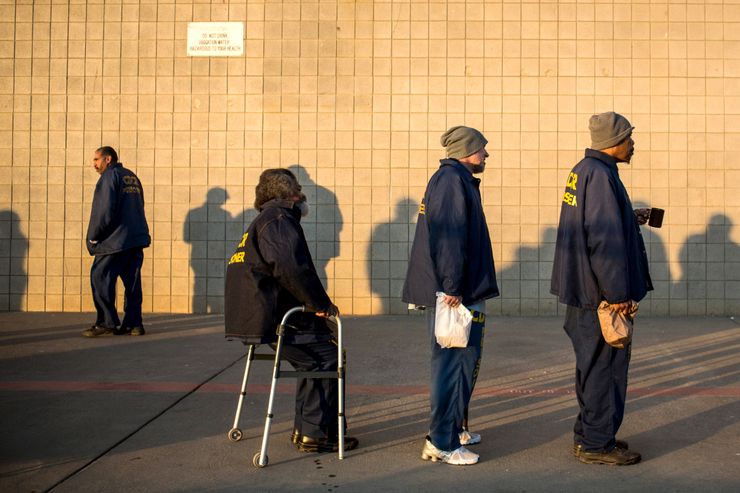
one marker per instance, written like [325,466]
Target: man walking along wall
[116,236]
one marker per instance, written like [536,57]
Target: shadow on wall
[387,257]
[205,229]
[710,272]
[213,234]
[322,225]
[13,250]
[525,283]
[657,302]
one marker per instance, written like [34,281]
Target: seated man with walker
[271,272]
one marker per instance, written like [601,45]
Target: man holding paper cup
[600,258]
[451,267]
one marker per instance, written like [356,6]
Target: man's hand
[642,216]
[451,300]
[623,308]
[332,311]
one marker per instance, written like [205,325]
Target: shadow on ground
[133,406]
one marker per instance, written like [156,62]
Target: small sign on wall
[215,39]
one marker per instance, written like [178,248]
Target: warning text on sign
[215,39]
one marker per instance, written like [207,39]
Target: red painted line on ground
[223,388]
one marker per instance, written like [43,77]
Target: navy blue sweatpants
[105,271]
[316,399]
[454,372]
[601,381]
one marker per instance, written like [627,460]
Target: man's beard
[478,168]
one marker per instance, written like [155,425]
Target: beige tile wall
[356,94]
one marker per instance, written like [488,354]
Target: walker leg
[235,434]
[262,460]
[340,385]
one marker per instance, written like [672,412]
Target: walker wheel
[256,461]
[235,434]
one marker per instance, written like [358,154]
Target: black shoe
[311,444]
[126,331]
[97,331]
[577,447]
[616,457]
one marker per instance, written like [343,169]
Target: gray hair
[277,183]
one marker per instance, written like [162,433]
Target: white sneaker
[458,457]
[468,438]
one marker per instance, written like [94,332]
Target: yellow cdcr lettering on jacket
[244,241]
[572,180]
[422,209]
[570,199]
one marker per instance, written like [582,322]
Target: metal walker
[260,459]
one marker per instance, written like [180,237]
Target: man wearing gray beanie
[600,263]
[451,263]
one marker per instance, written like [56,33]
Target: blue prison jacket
[117,220]
[599,251]
[452,250]
[270,272]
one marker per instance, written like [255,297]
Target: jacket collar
[112,166]
[460,167]
[603,157]
[282,204]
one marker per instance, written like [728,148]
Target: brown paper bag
[616,327]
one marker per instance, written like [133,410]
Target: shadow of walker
[13,251]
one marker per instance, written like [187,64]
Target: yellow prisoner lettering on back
[244,241]
[237,258]
[422,209]
[572,180]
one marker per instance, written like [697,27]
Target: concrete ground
[152,413]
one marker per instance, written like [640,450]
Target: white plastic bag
[451,325]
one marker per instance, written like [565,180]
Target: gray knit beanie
[608,129]
[462,141]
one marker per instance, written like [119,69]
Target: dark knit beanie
[462,141]
[608,129]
